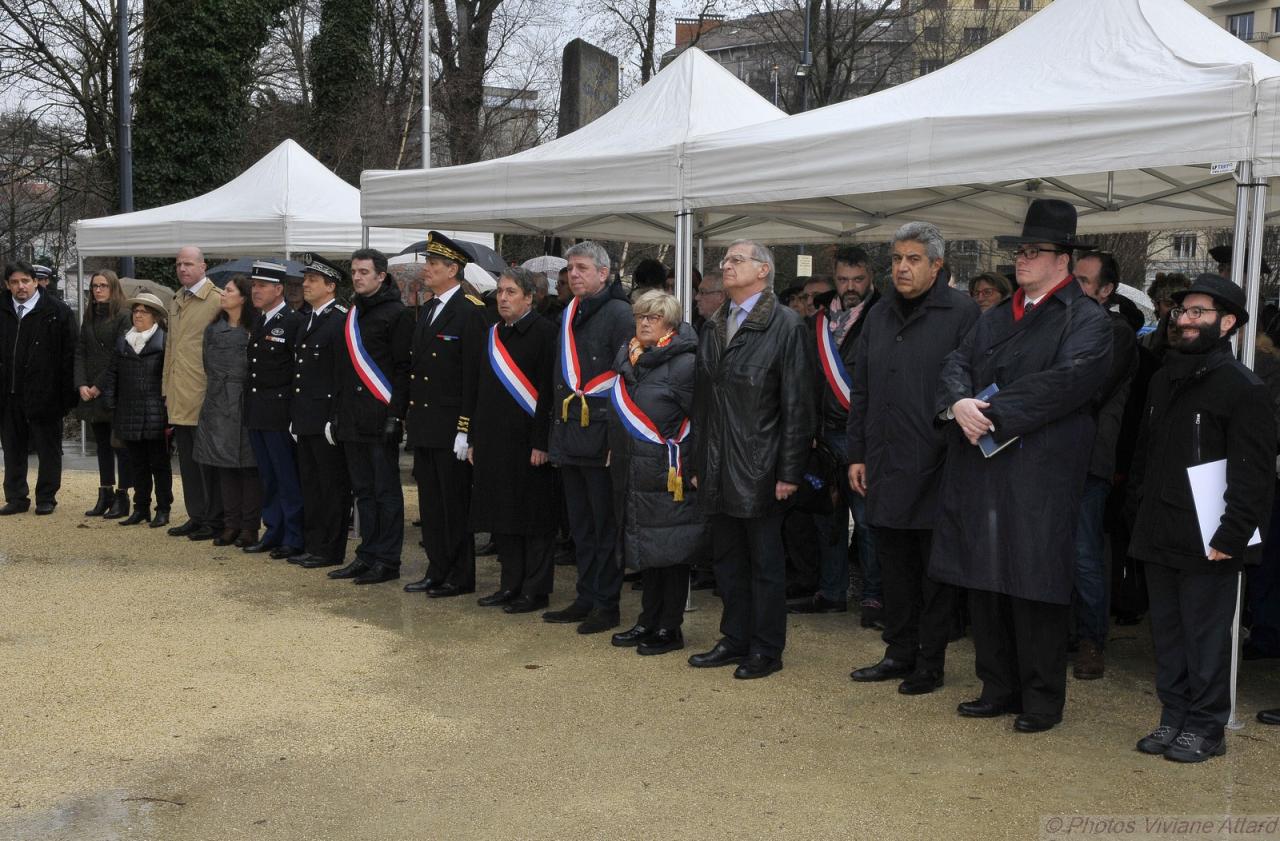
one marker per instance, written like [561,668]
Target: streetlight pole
[426,84]
[806,62]
[124,134]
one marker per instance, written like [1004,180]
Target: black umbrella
[482,255]
[244,265]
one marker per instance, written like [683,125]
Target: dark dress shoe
[598,621]
[448,591]
[818,604]
[105,495]
[160,519]
[886,669]
[45,508]
[317,562]
[497,599]
[526,604]
[1192,747]
[300,558]
[1271,717]
[661,641]
[758,665]
[377,574]
[257,548]
[422,585]
[202,533]
[14,508]
[978,708]
[282,552]
[247,537]
[1036,722]
[184,529]
[1157,741]
[720,655]
[119,506]
[573,613]
[227,537]
[351,570]
[139,515]
[921,683]
[633,636]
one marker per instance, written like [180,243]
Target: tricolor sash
[368,371]
[510,375]
[642,428]
[572,370]
[832,365]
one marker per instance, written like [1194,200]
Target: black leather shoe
[633,636]
[758,665]
[921,683]
[526,604]
[351,570]
[377,574]
[978,708]
[573,613]
[227,538]
[139,515]
[886,669]
[661,641]
[106,494]
[282,552]
[1157,741]
[45,508]
[448,591]
[818,604]
[254,548]
[720,655]
[300,558]
[119,506]
[422,585]
[598,621]
[1271,717]
[317,562]
[497,599]
[1035,722]
[14,508]
[202,533]
[184,529]
[160,518]
[1192,747]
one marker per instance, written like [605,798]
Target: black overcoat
[38,357]
[317,341]
[131,387]
[222,438]
[835,417]
[891,427]
[1007,524]
[266,406]
[447,354]
[509,495]
[94,347]
[386,330]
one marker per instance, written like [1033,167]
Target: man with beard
[1203,406]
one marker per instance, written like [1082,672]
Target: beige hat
[149,301]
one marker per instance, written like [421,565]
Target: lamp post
[806,62]
[124,135]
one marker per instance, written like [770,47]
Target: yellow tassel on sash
[584,413]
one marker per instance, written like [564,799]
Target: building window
[1275,19]
[975,34]
[933,4]
[1026,5]
[981,5]
[1184,246]
[1241,26]
[928,65]
[932,33]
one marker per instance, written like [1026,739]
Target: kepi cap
[315,264]
[269,272]
[441,246]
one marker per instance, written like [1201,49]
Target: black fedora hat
[1227,295]
[1223,253]
[1047,220]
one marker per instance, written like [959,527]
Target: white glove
[328,434]
[460,446]
[292,434]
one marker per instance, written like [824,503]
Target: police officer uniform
[448,344]
[266,415]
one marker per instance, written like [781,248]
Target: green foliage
[342,78]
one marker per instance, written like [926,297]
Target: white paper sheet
[1209,490]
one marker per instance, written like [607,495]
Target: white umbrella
[548,265]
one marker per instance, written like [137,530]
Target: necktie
[735,319]
[21,309]
[430,312]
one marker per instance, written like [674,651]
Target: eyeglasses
[99,286]
[736,260]
[648,317]
[707,293]
[984,293]
[1031,252]
[1194,312]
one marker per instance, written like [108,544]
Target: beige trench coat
[184,380]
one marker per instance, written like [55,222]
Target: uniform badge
[277,331]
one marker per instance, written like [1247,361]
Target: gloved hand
[392,432]
[328,434]
[293,434]
[460,446]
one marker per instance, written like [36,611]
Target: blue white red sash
[368,371]
[642,428]
[571,369]
[832,365]
[510,375]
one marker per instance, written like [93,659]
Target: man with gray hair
[754,418]
[596,322]
[896,453]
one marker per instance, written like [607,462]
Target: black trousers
[374,470]
[326,498]
[1020,650]
[918,611]
[444,504]
[241,489]
[1191,615]
[588,496]
[151,467]
[111,461]
[201,491]
[18,435]
[527,561]
[666,592]
[803,549]
[751,575]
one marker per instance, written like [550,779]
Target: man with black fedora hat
[1026,375]
[1223,254]
[266,412]
[1203,406]
[322,468]
[448,347]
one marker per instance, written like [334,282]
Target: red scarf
[1020,297]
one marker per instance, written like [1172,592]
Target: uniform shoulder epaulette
[473,299]
[339,308]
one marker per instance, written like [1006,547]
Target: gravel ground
[159,689]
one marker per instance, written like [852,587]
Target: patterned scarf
[634,348]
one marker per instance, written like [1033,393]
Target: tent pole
[1253,272]
[364,236]
[702,256]
[1240,237]
[80,311]
[1234,723]
[684,263]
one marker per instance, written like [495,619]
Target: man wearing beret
[322,469]
[266,412]
[448,347]
[1203,406]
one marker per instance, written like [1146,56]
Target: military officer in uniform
[326,490]
[266,412]
[448,344]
